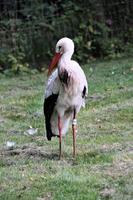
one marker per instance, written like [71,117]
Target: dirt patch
[28,151]
[107,192]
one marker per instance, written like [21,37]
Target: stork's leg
[60,137]
[74,130]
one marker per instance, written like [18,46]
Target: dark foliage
[29,30]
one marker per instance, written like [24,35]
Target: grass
[103,166]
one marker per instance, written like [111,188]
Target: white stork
[65,92]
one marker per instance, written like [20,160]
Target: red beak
[54,62]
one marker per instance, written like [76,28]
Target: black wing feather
[49,104]
[84,92]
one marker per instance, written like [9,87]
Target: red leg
[74,123]
[60,136]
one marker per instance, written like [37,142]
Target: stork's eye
[60,48]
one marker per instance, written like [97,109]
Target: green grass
[103,166]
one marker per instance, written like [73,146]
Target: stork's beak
[54,62]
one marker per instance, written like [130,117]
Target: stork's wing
[51,96]
[53,84]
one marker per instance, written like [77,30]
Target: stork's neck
[65,58]
[67,55]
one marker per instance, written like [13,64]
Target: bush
[14,63]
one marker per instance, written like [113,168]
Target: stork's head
[63,46]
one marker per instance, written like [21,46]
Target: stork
[65,93]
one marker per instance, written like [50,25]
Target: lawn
[103,167]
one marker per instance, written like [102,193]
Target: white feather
[53,84]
